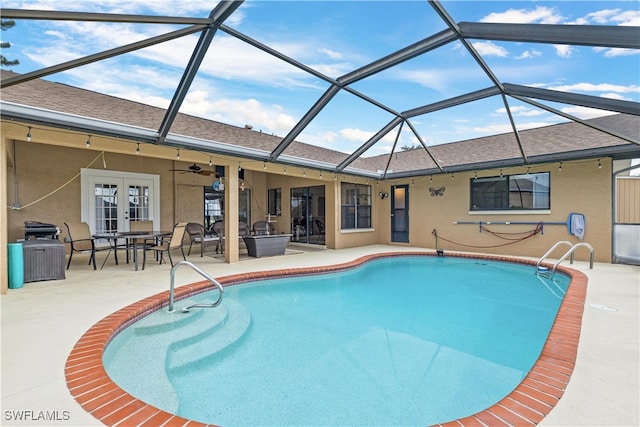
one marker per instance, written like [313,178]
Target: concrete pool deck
[42,321]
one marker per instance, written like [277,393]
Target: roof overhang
[127,133]
[618,152]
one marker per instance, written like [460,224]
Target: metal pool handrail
[203,274]
[569,252]
[561,242]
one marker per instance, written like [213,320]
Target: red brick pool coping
[526,405]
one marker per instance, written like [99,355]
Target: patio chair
[218,230]
[166,244]
[197,234]
[261,228]
[80,238]
[138,226]
[141,225]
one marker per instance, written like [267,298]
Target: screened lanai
[367,80]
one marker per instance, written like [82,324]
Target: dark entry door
[308,214]
[400,213]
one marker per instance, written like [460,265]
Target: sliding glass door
[308,215]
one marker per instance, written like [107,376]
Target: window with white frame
[356,206]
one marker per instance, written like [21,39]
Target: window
[275,201]
[214,206]
[356,206]
[529,191]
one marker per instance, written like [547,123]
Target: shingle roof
[556,142]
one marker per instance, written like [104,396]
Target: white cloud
[331,53]
[610,17]
[347,140]
[628,18]
[227,57]
[445,79]
[528,54]
[56,34]
[270,119]
[499,128]
[232,59]
[614,96]
[602,16]
[541,15]
[613,52]
[597,87]
[519,111]
[164,7]
[585,112]
[563,51]
[490,49]
[615,17]
[359,135]
[433,79]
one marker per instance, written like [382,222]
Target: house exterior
[481,199]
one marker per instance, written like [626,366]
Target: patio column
[231,212]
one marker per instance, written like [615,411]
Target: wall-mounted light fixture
[138,149]
[29,134]
[383,195]
[88,143]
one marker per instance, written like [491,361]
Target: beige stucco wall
[579,187]
[53,172]
[50,166]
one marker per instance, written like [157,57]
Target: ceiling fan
[194,168]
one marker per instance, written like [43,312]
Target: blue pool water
[398,341]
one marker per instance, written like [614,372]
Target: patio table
[113,237]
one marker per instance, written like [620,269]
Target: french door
[111,199]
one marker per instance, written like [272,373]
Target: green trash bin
[16,265]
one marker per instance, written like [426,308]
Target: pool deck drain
[527,404]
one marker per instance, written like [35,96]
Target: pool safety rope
[500,235]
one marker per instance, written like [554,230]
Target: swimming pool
[529,402]
[404,354]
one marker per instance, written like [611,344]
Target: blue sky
[238,84]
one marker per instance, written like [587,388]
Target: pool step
[123,368]
[157,389]
[201,348]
